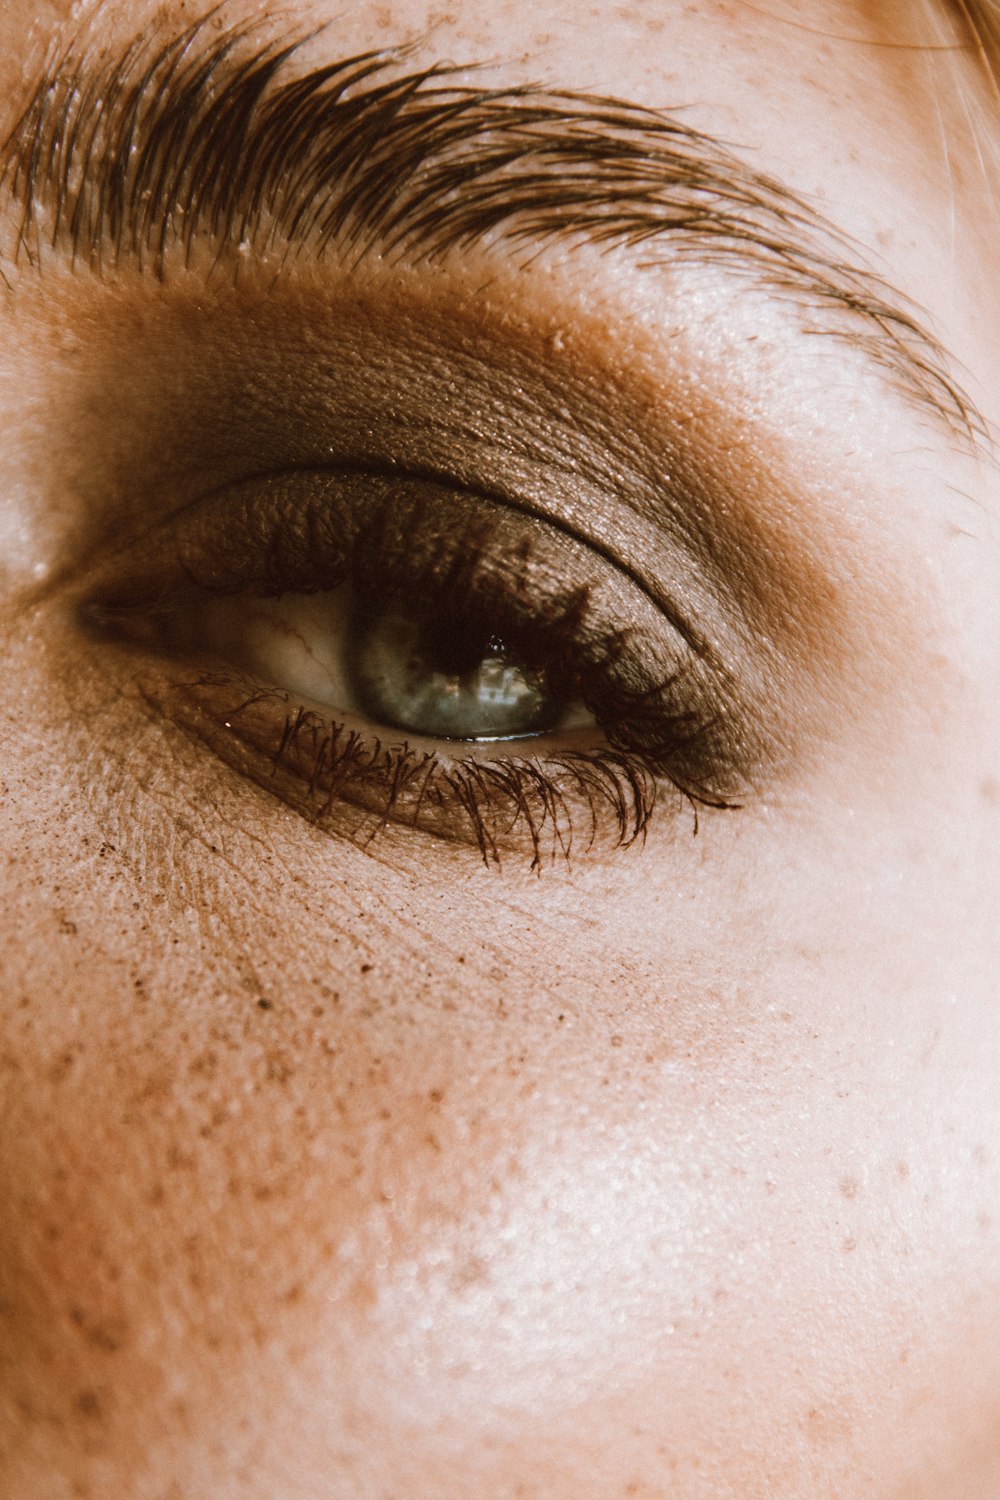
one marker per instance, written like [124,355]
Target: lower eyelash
[352,781]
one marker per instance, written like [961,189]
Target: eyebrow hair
[979,22]
[199,142]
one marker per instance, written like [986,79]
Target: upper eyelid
[142,155]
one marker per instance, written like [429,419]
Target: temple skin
[369,1171]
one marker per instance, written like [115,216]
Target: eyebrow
[209,140]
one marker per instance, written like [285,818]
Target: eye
[400,668]
[395,652]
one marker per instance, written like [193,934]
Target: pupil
[446,681]
[456,653]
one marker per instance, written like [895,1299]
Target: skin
[371,1172]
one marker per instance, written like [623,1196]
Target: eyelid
[625,434]
[415,381]
[553,596]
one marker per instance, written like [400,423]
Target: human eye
[385,649]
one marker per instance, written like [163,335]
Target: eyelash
[355,782]
[473,558]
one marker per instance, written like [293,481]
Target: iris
[447,681]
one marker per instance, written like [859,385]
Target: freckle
[279,1069]
[61,1067]
[985,1222]
[178,1160]
[991,791]
[88,1404]
[902,1171]
[472,1272]
[617,1041]
[109,1336]
[850,1243]
[849,1187]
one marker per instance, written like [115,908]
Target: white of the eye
[295,641]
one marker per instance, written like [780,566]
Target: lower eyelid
[568,798]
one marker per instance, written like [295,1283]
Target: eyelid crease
[389,474]
[197,143]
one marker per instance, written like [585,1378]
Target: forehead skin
[677,1177]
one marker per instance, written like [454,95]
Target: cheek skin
[493,1288]
[465,1219]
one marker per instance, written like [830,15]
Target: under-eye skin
[454,666]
